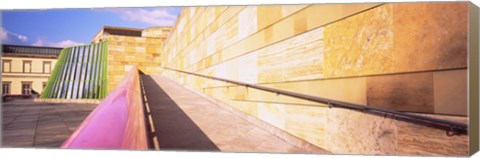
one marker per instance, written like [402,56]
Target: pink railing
[117,122]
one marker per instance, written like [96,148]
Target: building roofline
[30,55]
[26,46]
[10,50]
[168,27]
[122,28]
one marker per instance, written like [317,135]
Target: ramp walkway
[184,120]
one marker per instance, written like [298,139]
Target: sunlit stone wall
[156,32]
[404,56]
[124,52]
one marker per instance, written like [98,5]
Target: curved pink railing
[117,122]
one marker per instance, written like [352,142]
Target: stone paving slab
[31,124]
[184,120]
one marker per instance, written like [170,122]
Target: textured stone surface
[124,52]
[414,139]
[228,48]
[451,90]
[360,133]
[298,58]
[430,35]
[156,32]
[402,92]
[307,122]
[399,37]
[326,51]
[361,44]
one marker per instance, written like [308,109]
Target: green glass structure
[80,73]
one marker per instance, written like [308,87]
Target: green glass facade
[80,73]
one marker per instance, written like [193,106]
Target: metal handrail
[451,126]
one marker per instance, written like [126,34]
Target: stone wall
[156,32]
[124,52]
[404,56]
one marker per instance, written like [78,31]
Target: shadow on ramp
[173,128]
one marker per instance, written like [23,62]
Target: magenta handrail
[118,122]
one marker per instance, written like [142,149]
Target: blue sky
[67,27]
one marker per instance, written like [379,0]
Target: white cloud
[65,43]
[39,43]
[158,17]
[22,38]
[4,35]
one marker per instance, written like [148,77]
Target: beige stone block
[140,40]
[290,9]
[360,45]
[118,68]
[332,12]
[402,92]
[129,39]
[267,34]
[247,22]
[307,123]
[246,46]
[297,58]
[283,29]
[129,57]
[356,132]
[130,49]
[267,15]
[417,139]
[237,93]
[140,49]
[153,40]
[249,72]
[273,114]
[117,77]
[251,108]
[430,36]
[349,89]
[116,48]
[259,95]
[450,91]
[300,23]
[325,13]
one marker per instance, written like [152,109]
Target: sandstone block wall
[124,52]
[405,56]
[156,32]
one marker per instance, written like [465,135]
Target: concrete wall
[404,56]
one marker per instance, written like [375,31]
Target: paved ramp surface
[184,120]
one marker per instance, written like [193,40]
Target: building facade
[407,57]
[26,69]
[128,47]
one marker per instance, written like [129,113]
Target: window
[5,88]
[26,88]
[47,67]
[7,66]
[27,66]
